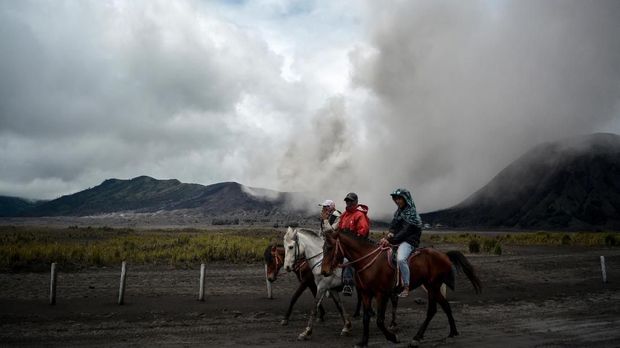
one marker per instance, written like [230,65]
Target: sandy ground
[532,297]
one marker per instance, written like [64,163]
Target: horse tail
[450,279]
[461,264]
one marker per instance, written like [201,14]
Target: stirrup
[347,290]
[405,292]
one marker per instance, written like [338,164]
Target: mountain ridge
[573,183]
[145,194]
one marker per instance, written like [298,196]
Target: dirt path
[531,297]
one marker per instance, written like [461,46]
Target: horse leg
[343,314]
[367,301]
[317,302]
[445,305]
[312,285]
[359,304]
[298,292]
[430,313]
[381,306]
[394,299]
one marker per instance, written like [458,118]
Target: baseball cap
[328,203]
[351,196]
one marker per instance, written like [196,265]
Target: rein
[307,259]
[376,252]
[318,262]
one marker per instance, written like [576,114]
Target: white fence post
[121,290]
[53,279]
[603,269]
[201,292]
[269,293]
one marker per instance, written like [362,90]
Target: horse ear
[274,249]
[289,230]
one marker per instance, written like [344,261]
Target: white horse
[309,244]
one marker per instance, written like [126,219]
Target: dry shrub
[474,246]
[566,239]
[498,249]
[488,245]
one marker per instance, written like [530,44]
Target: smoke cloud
[458,90]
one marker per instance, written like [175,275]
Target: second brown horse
[274,259]
[376,277]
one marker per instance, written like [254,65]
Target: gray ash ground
[532,296]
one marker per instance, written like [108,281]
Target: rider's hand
[324,214]
[384,242]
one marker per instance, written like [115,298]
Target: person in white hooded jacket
[330,216]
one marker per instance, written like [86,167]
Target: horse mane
[309,232]
[359,239]
[267,254]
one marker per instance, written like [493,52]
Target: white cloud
[325,97]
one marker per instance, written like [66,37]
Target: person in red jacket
[355,220]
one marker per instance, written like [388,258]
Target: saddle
[398,281]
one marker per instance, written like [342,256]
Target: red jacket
[355,220]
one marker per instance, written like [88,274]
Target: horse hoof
[305,335]
[360,345]
[284,322]
[393,328]
[452,334]
[346,330]
[414,343]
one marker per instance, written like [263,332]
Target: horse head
[274,259]
[332,253]
[292,249]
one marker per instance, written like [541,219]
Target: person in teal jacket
[405,231]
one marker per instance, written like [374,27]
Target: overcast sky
[324,97]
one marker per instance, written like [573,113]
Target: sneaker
[347,290]
[404,293]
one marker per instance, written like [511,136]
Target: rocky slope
[574,184]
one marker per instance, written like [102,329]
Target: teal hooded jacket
[406,224]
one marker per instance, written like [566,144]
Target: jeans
[404,250]
[347,274]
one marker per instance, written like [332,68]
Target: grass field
[34,248]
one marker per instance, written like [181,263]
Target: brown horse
[376,277]
[274,259]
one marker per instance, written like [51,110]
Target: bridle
[299,261]
[276,256]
